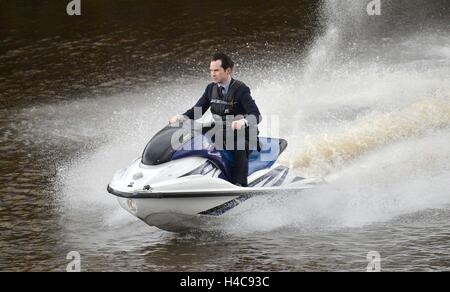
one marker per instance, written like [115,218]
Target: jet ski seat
[271,149]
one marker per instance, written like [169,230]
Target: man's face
[218,74]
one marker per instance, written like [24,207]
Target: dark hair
[226,61]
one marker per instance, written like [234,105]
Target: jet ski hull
[193,209]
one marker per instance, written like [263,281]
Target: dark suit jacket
[245,104]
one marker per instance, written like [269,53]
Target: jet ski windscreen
[159,150]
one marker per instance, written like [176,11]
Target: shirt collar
[226,84]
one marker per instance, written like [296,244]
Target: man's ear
[229,71]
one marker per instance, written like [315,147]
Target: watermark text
[74,8]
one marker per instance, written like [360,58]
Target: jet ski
[175,187]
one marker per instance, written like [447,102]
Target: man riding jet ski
[229,100]
[181,176]
[186,172]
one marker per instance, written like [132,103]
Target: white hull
[168,208]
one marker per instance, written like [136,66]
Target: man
[230,100]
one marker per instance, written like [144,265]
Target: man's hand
[176,119]
[239,124]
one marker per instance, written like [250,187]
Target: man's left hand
[239,124]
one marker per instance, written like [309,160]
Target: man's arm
[204,102]
[253,116]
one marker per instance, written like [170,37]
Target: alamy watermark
[74,8]
[374,8]
[75,262]
[374,259]
[191,135]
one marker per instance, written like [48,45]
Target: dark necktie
[221,91]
